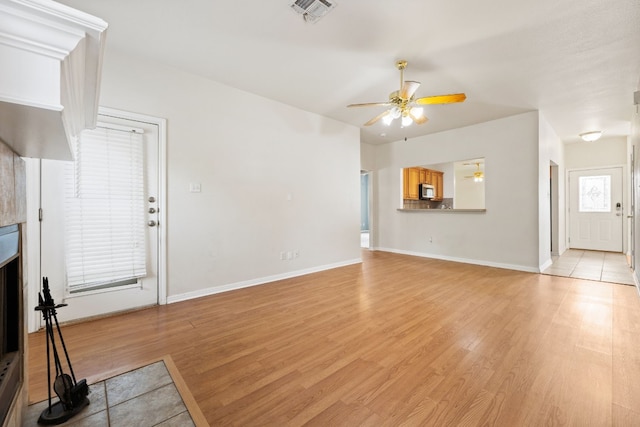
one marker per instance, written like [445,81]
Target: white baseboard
[255,282]
[546,265]
[464,260]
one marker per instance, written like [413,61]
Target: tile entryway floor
[144,397]
[609,267]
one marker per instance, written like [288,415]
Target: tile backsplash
[446,203]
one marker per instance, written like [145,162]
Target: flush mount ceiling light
[591,136]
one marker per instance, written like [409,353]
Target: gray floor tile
[134,383]
[148,409]
[625,279]
[99,419]
[587,269]
[558,271]
[586,276]
[153,401]
[97,403]
[592,265]
[565,264]
[622,269]
[180,420]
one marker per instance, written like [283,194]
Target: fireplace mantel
[51,58]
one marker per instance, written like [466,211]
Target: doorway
[88,296]
[595,209]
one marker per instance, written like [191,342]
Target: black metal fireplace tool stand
[72,393]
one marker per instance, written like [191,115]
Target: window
[104,210]
[595,193]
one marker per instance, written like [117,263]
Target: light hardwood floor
[398,340]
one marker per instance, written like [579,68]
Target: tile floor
[592,265]
[144,397]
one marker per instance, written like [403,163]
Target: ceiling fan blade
[371,104]
[422,119]
[376,118]
[408,89]
[441,99]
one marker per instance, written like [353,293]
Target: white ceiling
[577,61]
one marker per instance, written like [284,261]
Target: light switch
[194,187]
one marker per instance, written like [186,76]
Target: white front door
[596,211]
[109,299]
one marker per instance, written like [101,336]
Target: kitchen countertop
[443,210]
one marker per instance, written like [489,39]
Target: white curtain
[104,210]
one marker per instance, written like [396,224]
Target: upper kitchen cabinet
[437,180]
[51,58]
[414,176]
[411,183]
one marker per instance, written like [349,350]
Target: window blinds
[104,210]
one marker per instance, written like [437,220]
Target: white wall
[367,157]
[506,235]
[468,193]
[602,153]
[274,178]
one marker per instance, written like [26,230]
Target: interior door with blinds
[100,215]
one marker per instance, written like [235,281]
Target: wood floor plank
[397,340]
[625,417]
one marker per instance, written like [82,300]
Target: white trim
[33,223]
[33,242]
[162,189]
[255,282]
[546,265]
[463,260]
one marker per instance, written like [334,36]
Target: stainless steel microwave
[427,192]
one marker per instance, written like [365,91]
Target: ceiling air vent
[312,10]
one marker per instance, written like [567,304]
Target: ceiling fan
[478,175]
[403,104]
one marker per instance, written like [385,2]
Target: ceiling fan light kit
[591,136]
[403,105]
[478,175]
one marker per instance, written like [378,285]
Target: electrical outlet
[283,256]
[430,239]
[289,255]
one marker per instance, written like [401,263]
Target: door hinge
[40,214]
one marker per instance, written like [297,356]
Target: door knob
[152,223]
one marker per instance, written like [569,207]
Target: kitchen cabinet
[425,176]
[411,183]
[413,177]
[437,180]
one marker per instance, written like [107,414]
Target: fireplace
[11,325]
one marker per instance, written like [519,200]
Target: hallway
[609,267]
